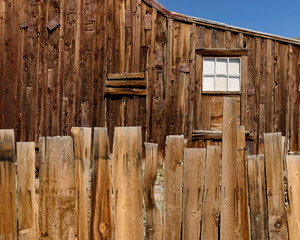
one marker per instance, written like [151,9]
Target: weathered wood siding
[54,79]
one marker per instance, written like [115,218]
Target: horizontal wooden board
[126,75]
[126,91]
[128,83]
[221,52]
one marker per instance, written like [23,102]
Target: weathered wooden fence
[213,193]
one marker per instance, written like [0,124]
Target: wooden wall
[54,79]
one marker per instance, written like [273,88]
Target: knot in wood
[103,229]
[278,224]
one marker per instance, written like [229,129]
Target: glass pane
[221,83]
[221,66]
[209,66]
[208,83]
[233,83]
[234,65]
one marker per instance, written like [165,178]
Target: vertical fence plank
[101,218]
[228,170]
[153,212]
[242,217]
[127,183]
[293,167]
[8,221]
[193,173]
[211,198]
[257,197]
[26,192]
[57,188]
[82,149]
[275,186]
[173,187]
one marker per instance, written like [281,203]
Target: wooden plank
[112,76]
[211,198]
[127,83]
[82,154]
[127,183]
[8,217]
[257,197]
[275,188]
[198,89]
[126,91]
[293,170]
[153,213]
[269,87]
[193,173]
[57,188]
[173,187]
[101,224]
[228,170]
[27,209]
[242,216]
[221,52]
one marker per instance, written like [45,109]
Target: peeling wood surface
[57,188]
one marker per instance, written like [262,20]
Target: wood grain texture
[211,198]
[153,229]
[193,175]
[242,215]
[173,187]
[8,216]
[101,215]
[82,138]
[228,170]
[275,187]
[127,183]
[27,207]
[293,170]
[257,197]
[57,188]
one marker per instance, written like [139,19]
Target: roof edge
[186,18]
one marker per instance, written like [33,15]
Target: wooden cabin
[112,63]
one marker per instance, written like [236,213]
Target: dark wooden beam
[222,52]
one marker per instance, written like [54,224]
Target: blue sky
[271,16]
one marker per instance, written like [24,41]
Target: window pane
[209,66]
[233,83]
[221,66]
[208,83]
[221,84]
[234,65]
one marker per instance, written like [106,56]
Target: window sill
[221,93]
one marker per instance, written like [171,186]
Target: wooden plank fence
[215,193]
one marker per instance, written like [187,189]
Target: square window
[221,74]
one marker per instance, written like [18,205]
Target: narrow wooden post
[211,198]
[293,168]
[242,216]
[26,192]
[82,149]
[57,188]
[127,183]
[8,221]
[257,197]
[275,186]
[228,170]
[193,172]
[173,187]
[101,218]
[153,212]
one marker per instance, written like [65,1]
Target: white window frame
[227,75]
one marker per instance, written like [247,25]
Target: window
[221,74]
